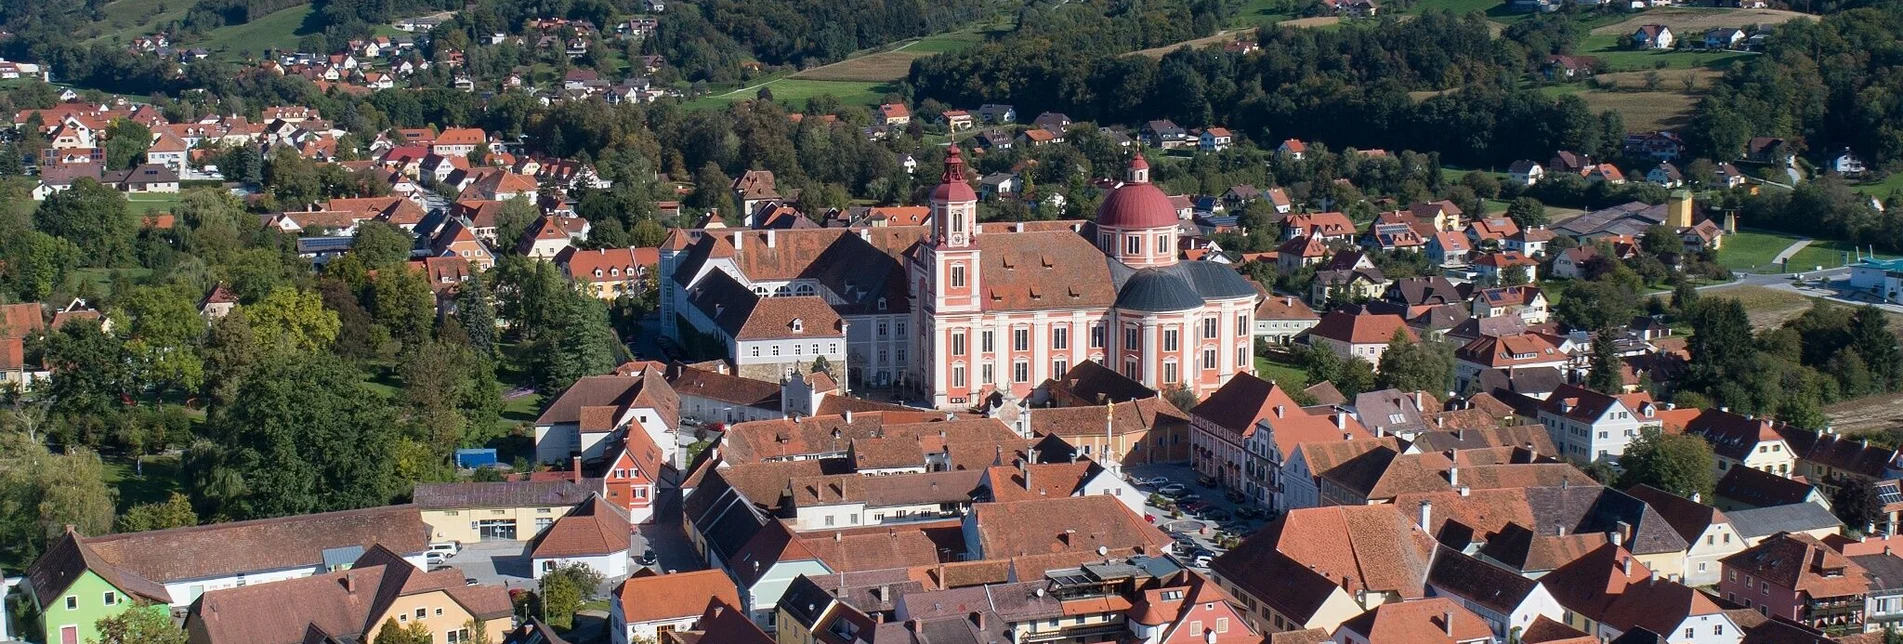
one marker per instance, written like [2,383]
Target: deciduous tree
[1678,463]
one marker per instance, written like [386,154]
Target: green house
[72,589]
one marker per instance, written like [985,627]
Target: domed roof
[952,187]
[1137,204]
[1157,290]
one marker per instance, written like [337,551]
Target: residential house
[1589,425]
[80,580]
[1562,68]
[1294,148]
[1165,134]
[1509,603]
[1705,529]
[586,419]
[610,273]
[1797,577]
[1652,37]
[1215,139]
[593,534]
[1754,525]
[1724,38]
[892,114]
[994,114]
[1729,176]
[1280,318]
[1506,354]
[1744,488]
[1531,242]
[957,120]
[1323,226]
[1526,172]
[1299,252]
[1347,276]
[459,141]
[1665,175]
[648,604]
[1744,441]
[1438,620]
[351,603]
[1321,567]
[1500,268]
[1359,334]
[1662,145]
[1846,163]
[1572,262]
[1526,302]
[1449,249]
[1608,593]
[1140,430]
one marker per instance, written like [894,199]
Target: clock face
[957,239]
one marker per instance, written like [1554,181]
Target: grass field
[1692,22]
[1883,189]
[1825,253]
[1644,111]
[128,19]
[1750,248]
[160,480]
[797,90]
[1287,375]
[279,30]
[1256,13]
[161,202]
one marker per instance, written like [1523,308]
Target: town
[780,322]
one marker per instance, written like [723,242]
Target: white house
[1589,425]
[1526,172]
[581,421]
[1653,37]
[1508,602]
[648,604]
[595,533]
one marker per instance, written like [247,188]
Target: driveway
[502,563]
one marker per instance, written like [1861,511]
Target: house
[545,239]
[594,533]
[1439,620]
[1294,148]
[1706,530]
[1606,173]
[1494,229]
[169,151]
[1359,334]
[993,114]
[1724,38]
[1166,134]
[1296,253]
[459,141]
[1500,268]
[1530,242]
[1608,592]
[1754,525]
[1768,150]
[1569,162]
[1054,122]
[1526,172]
[1447,248]
[502,510]
[351,603]
[1509,603]
[957,120]
[81,579]
[1561,68]
[1572,262]
[1666,175]
[648,604]
[587,418]
[1526,302]
[1246,433]
[1589,425]
[998,184]
[1347,276]
[1744,441]
[1797,577]
[1662,145]
[1280,318]
[893,114]
[1215,139]
[1322,226]
[1321,567]
[1744,488]
[1507,354]
[610,273]
[1038,137]
[1729,176]
[1846,163]
[1652,37]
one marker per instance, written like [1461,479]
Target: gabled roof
[593,528]
[1063,524]
[1422,621]
[1757,488]
[1800,562]
[1796,517]
[1359,547]
[650,597]
[1362,328]
[338,604]
[503,494]
[1245,399]
[1689,518]
[1498,589]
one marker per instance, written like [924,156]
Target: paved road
[1791,250]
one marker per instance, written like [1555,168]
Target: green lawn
[279,30]
[1458,7]
[160,480]
[1828,254]
[1605,47]
[1883,189]
[1256,13]
[797,90]
[128,19]
[1287,375]
[161,202]
[1750,248]
[947,42]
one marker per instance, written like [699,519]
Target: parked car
[448,548]
[434,557]
[1218,514]
[1206,481]
[1189,498]
[1173,490]
[1194,508]
[470,581]
[1158,481]
[1246,512]
[1234,496]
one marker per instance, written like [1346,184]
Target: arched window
[805,289]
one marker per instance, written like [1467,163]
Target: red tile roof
[649,597]
[1362,328]
[591,529]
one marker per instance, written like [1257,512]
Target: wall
[88,592]
[455,524]
[440,613]
[611,566]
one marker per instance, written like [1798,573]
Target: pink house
[1797,577]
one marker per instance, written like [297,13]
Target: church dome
[1138,203]
[1156,291]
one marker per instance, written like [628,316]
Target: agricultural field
[894,64]
[278,30]
[1644,111]
[1686,21]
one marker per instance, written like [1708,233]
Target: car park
[1217,514]
[1159,481]
[1189,498]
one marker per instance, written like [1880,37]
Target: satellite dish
[1103,550]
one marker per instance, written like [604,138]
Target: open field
[279,30]
[1644,111]
[128,19]
[887,66]
[1882,189]
[1767,306]
[161,202]
[798,90]
[1869,414]
[1687,21]
[1752,249]
[1825,253]
[160,480]
[1287,375]
[1199,43]
[1255,13]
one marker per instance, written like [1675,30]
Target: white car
[447,548]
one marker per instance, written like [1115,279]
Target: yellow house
[352,605]
[498,511]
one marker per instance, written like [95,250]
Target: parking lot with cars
[1198,514]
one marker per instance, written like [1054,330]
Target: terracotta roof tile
[651,597]
[593,528]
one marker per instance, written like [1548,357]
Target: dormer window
[798,326]
[597,272]
[882,304]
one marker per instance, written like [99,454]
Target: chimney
[1427,513]
[978,619]
[1278,411]
[719,609]
[1625,563]
[838,536]
[737,237]
[1341,421]
[1417,402]
[1453,476]
[1616,536]
[1288,301]
[576,467]
[1447,622]
[350,583]
[848,417]
[1625,530]
[1696,497]
[911,625]
[769,238]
